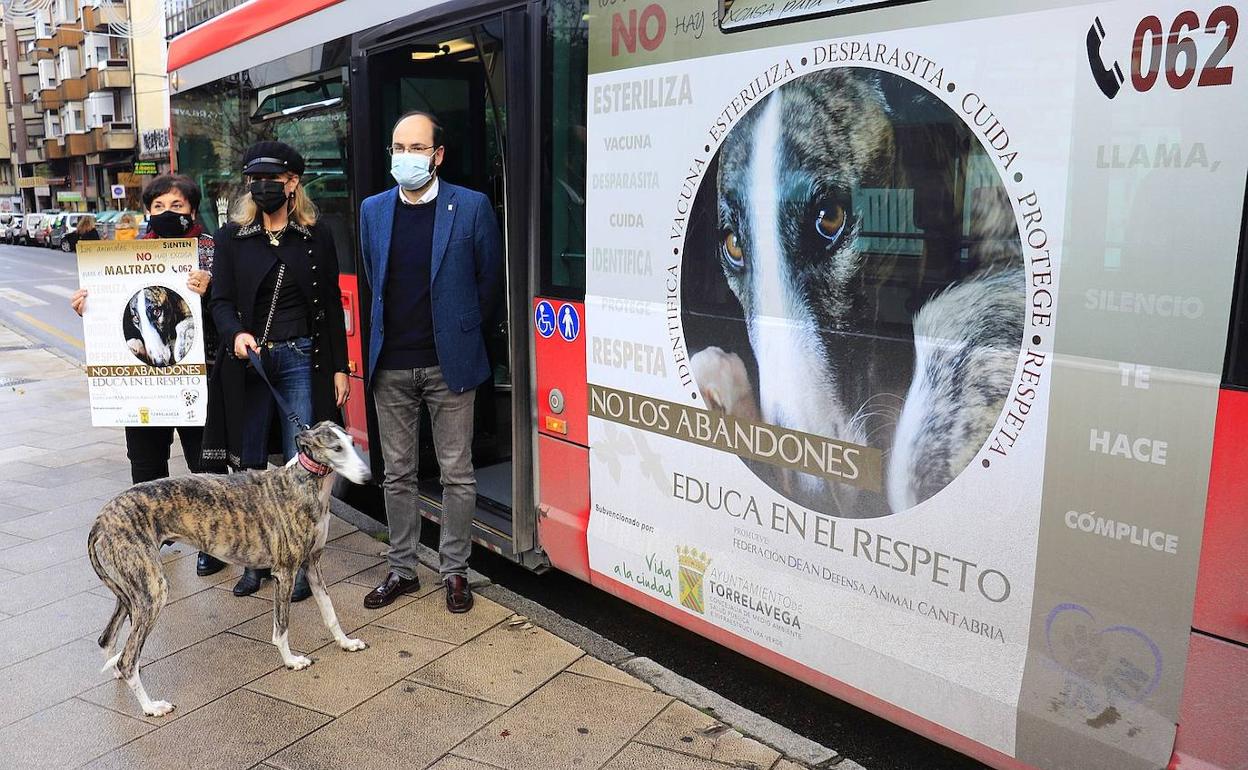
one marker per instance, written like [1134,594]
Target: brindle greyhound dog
[276,518]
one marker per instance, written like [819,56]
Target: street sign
[119,192]
[544,319]
[569,323]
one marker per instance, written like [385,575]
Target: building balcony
[31,112]
[50,100]
[53,149]
[113,74]
[8,189]
[108,12]
[77,144]
[114,137]
[73,90]
[35,153]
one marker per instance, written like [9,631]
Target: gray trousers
[398,394]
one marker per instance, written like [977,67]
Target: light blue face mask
[412,170]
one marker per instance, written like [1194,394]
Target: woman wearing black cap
[274,291]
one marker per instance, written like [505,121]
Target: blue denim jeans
[290,370]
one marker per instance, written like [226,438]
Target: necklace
[275,237]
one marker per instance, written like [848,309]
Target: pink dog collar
[313,467]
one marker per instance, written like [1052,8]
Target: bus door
[471,74]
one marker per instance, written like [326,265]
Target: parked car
[32,223]
[64,226]
[13,231]
[43,236]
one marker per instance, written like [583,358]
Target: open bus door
[473,73]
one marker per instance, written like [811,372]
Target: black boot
[302,590]
[249,583]
[207,564]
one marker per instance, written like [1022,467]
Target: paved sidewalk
[489,689]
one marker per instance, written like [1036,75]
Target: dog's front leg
[317,583]
[282,589]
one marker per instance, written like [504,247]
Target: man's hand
[243,342]
[198,281]
[342,389]
[79,301]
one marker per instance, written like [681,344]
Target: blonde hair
[304,212]
[86,224]
[127,220]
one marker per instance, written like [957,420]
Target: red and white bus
[897,344]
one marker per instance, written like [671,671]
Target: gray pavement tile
[197,617]
[236,731]
[66,735]
[360,542]
[307,630]
[46,628]
[565,726]
[372,577]
[588,665]
[683,728]
[637,756]
[9,512]
[786,764]
[34,555]
[38,525]
[502,665]
[338,528]
[338,680]
[20,494]
[193,677]
[18,452]
[429,617]
[14,470]
[59,441]
[27,592]
[406,725]
[63,457]
[453,762]
[8,541]
[92,468]
[49,678]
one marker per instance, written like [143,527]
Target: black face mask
[170,224]
[269,195]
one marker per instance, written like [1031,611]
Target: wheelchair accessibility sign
[544,319]
[569,323]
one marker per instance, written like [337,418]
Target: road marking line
[50,329]
[60,291]
[20,297]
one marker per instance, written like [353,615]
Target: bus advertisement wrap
[904,347]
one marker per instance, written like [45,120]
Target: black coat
[243,259]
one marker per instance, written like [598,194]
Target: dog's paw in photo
[158,708]
[297,662]
[353,645]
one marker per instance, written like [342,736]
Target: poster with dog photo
[851,326]
[142,327]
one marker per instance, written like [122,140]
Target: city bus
[899,345]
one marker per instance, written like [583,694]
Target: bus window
[1235,372]
[214,125]
[564,60]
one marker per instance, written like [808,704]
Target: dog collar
[313,467]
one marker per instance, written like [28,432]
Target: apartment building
[88,77]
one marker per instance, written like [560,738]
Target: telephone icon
[1108,79]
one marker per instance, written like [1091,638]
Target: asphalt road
[35,285]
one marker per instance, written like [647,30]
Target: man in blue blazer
[433,258]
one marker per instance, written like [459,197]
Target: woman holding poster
[171,203]
[275,292]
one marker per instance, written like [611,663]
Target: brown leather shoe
[390,589]
[458,594]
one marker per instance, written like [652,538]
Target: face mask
[412,170]
[269,195]
[170,224]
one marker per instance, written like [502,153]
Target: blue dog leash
[258,365]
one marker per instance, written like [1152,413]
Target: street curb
[35,344]
[791,746]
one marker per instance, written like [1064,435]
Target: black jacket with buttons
[244,257]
